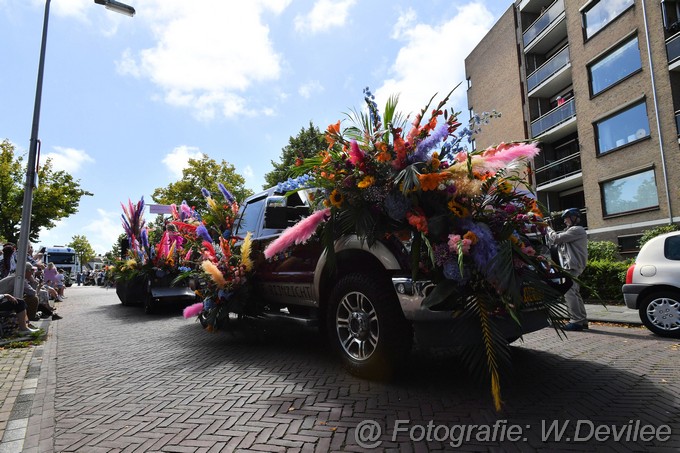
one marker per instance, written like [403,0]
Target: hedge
[605,278]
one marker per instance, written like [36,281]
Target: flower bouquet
[468,217]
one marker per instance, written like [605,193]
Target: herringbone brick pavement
[129,382]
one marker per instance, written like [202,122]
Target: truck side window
[250,218]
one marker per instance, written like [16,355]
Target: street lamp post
[29,185]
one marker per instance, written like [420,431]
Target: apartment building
[597,84]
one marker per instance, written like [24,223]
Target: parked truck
[365,299]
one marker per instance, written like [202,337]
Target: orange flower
[457,208]
[419,222]
[471,236]
[332,131]
[430,181]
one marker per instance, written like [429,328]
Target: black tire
[660,313]
[366,326]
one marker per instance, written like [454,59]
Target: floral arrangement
[224,271]
[467,215]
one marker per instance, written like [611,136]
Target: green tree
[307,143]
[84,250]
[57,196]
[203,173]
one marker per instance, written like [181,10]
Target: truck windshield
[62,258]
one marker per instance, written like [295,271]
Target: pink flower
[193,310]
[455,244]
[356,156]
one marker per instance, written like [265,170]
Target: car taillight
[629,274]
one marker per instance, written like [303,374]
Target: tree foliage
[84,250]
[307,143]
[656,231]
[57,196]
[202,173]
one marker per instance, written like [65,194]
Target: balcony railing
[677,121]
[560,169]
[547,69]
[673,47]
[543,22]
[554,117]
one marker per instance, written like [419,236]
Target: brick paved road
[129,382]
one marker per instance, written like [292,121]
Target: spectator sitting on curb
[30,294]
[18,306]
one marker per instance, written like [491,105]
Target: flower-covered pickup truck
[364,295]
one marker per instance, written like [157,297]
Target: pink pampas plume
[193,310]
[297,234]
[503,154]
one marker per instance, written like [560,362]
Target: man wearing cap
[572,245]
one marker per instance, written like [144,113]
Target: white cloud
[70,160]
[440,51]
[324,15]
[208,53]
[178,159]
[103,232]
[248,172]
[313,86]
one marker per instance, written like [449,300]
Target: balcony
[677,122]
[554,118]
[561,170]
[673,52]
[550,26]
[551,76]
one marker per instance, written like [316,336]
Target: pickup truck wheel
[366,326]
[660,313]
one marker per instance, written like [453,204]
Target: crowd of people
[43,287]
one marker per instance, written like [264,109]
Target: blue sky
[126,101]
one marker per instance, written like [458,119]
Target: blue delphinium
[202,232]
[301,182]
[425,146]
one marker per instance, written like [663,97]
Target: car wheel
[660,313]
[366,326]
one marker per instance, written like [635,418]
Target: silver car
[653,285]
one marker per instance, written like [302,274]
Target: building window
[629,244]
[630,193]
[600,13]
[615,66]
[624,127]
[469,83]
[671,15]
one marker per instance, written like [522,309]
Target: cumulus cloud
[313,86]
[207,54]
[324,15]
[103,232]
[248,172]
[178,159]
[443,45]
[70,160]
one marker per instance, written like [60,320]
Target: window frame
[603,200]
[604,56]
[596,127]
[589,7]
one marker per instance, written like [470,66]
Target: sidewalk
[28,383]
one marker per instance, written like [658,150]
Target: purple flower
[426,145]
[452,272]
[396,205]
[202,232]
[227,195]
[145,238]
[205,192]
[486,249]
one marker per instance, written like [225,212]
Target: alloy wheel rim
[357,326]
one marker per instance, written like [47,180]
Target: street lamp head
[118,7]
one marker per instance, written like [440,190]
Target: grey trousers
[575,306]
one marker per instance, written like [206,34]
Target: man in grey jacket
[572,245]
